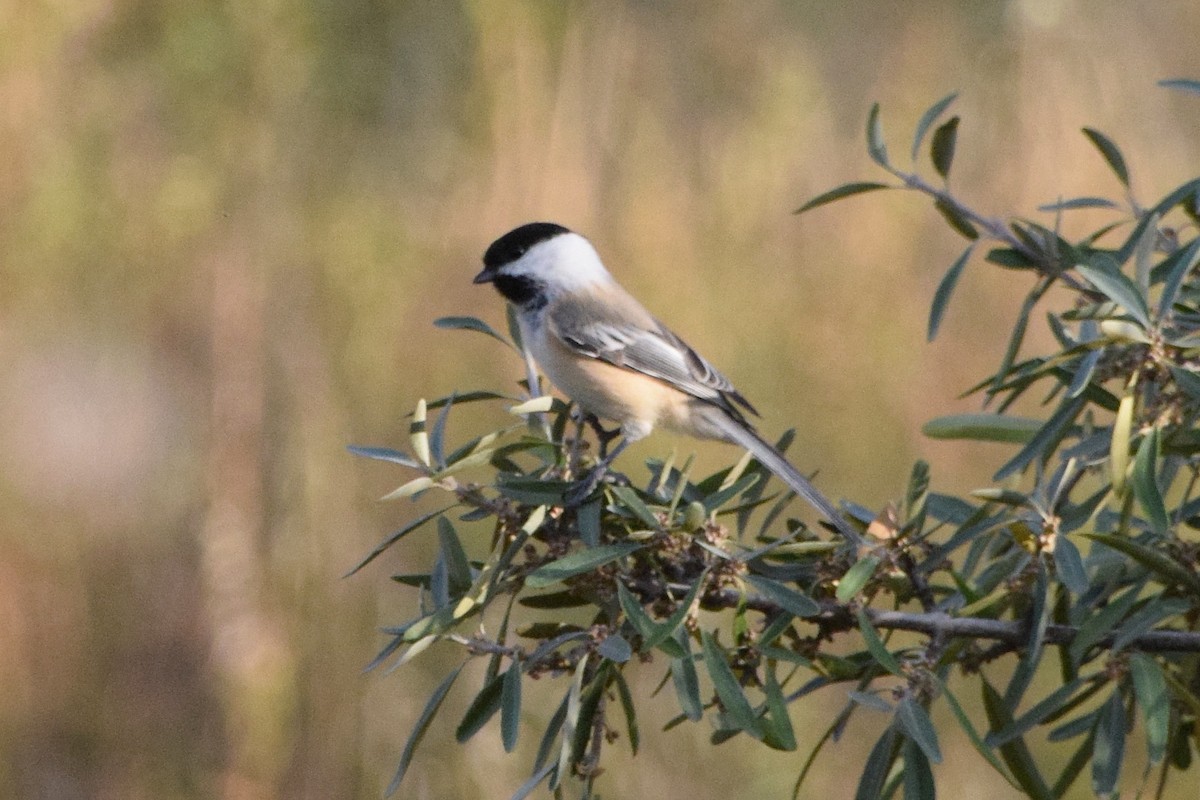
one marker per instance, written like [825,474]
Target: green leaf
[1150,689]
[482,708]
[941,298]
[1069,565]
[510,707]
[533,491]
[1015,753]
[983,428]
[685,679]
[588,519]
[630,500]
[615,648]
[876,646]
[627,706]
[955,218]
[1182,84]
[973,736]
[1099,624]
[1018,334]
[1039,618]
[879,764]
[1116,286]
[918,776]
[1185,263]
[876,148]
[1042,445]
[385,454]
[914,719]
[843,191]
[1050,705]
[856,577]
[928,118]
[578,563]
[395,537]
[418,731]
[1078,202]
[458,569]
[1108,750]
[1169,571]
[1111,154]
[1145,483]
[777,725]
[941,149]
[470,324]
[788,599]
[738,711]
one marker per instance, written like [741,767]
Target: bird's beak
[484,277]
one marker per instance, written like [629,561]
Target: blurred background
[226,228]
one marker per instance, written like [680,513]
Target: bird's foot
[578,494]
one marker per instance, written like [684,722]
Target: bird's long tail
[741,434]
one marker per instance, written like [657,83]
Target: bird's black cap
[516,243]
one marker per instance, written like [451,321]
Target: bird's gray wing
[628,336]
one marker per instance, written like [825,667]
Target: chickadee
[606,352]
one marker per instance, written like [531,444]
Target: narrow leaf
[941,297]
[737,708]
[458,569]
[1169,571]
[1145,482]
[395,537]
[578,563]
[954,216]
[1108,750]
[417,435]
[1044,443]
[785,597]
[482,709]
[918,776]
[1078,202]
[685,679]
[1186,262]
[418,731]
[469,324]
[1150,689]
[876,646]
[879,764]
[1182,84]
[615,648]
[1015,753]
[385,454]
[941,149]
[856,577]
[973,736]
[631,725]
[510,707]
[1069,564]
[1111,154]
[1117,286]
[876,148]
[840,192]
[928,118]
[914,719]
[778,724]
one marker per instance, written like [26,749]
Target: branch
[941,625]
[1017,632]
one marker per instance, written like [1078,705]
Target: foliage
[1084,548]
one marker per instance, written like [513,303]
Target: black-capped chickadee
[607,353]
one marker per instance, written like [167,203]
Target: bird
[616,361]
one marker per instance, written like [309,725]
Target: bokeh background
[225,229]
